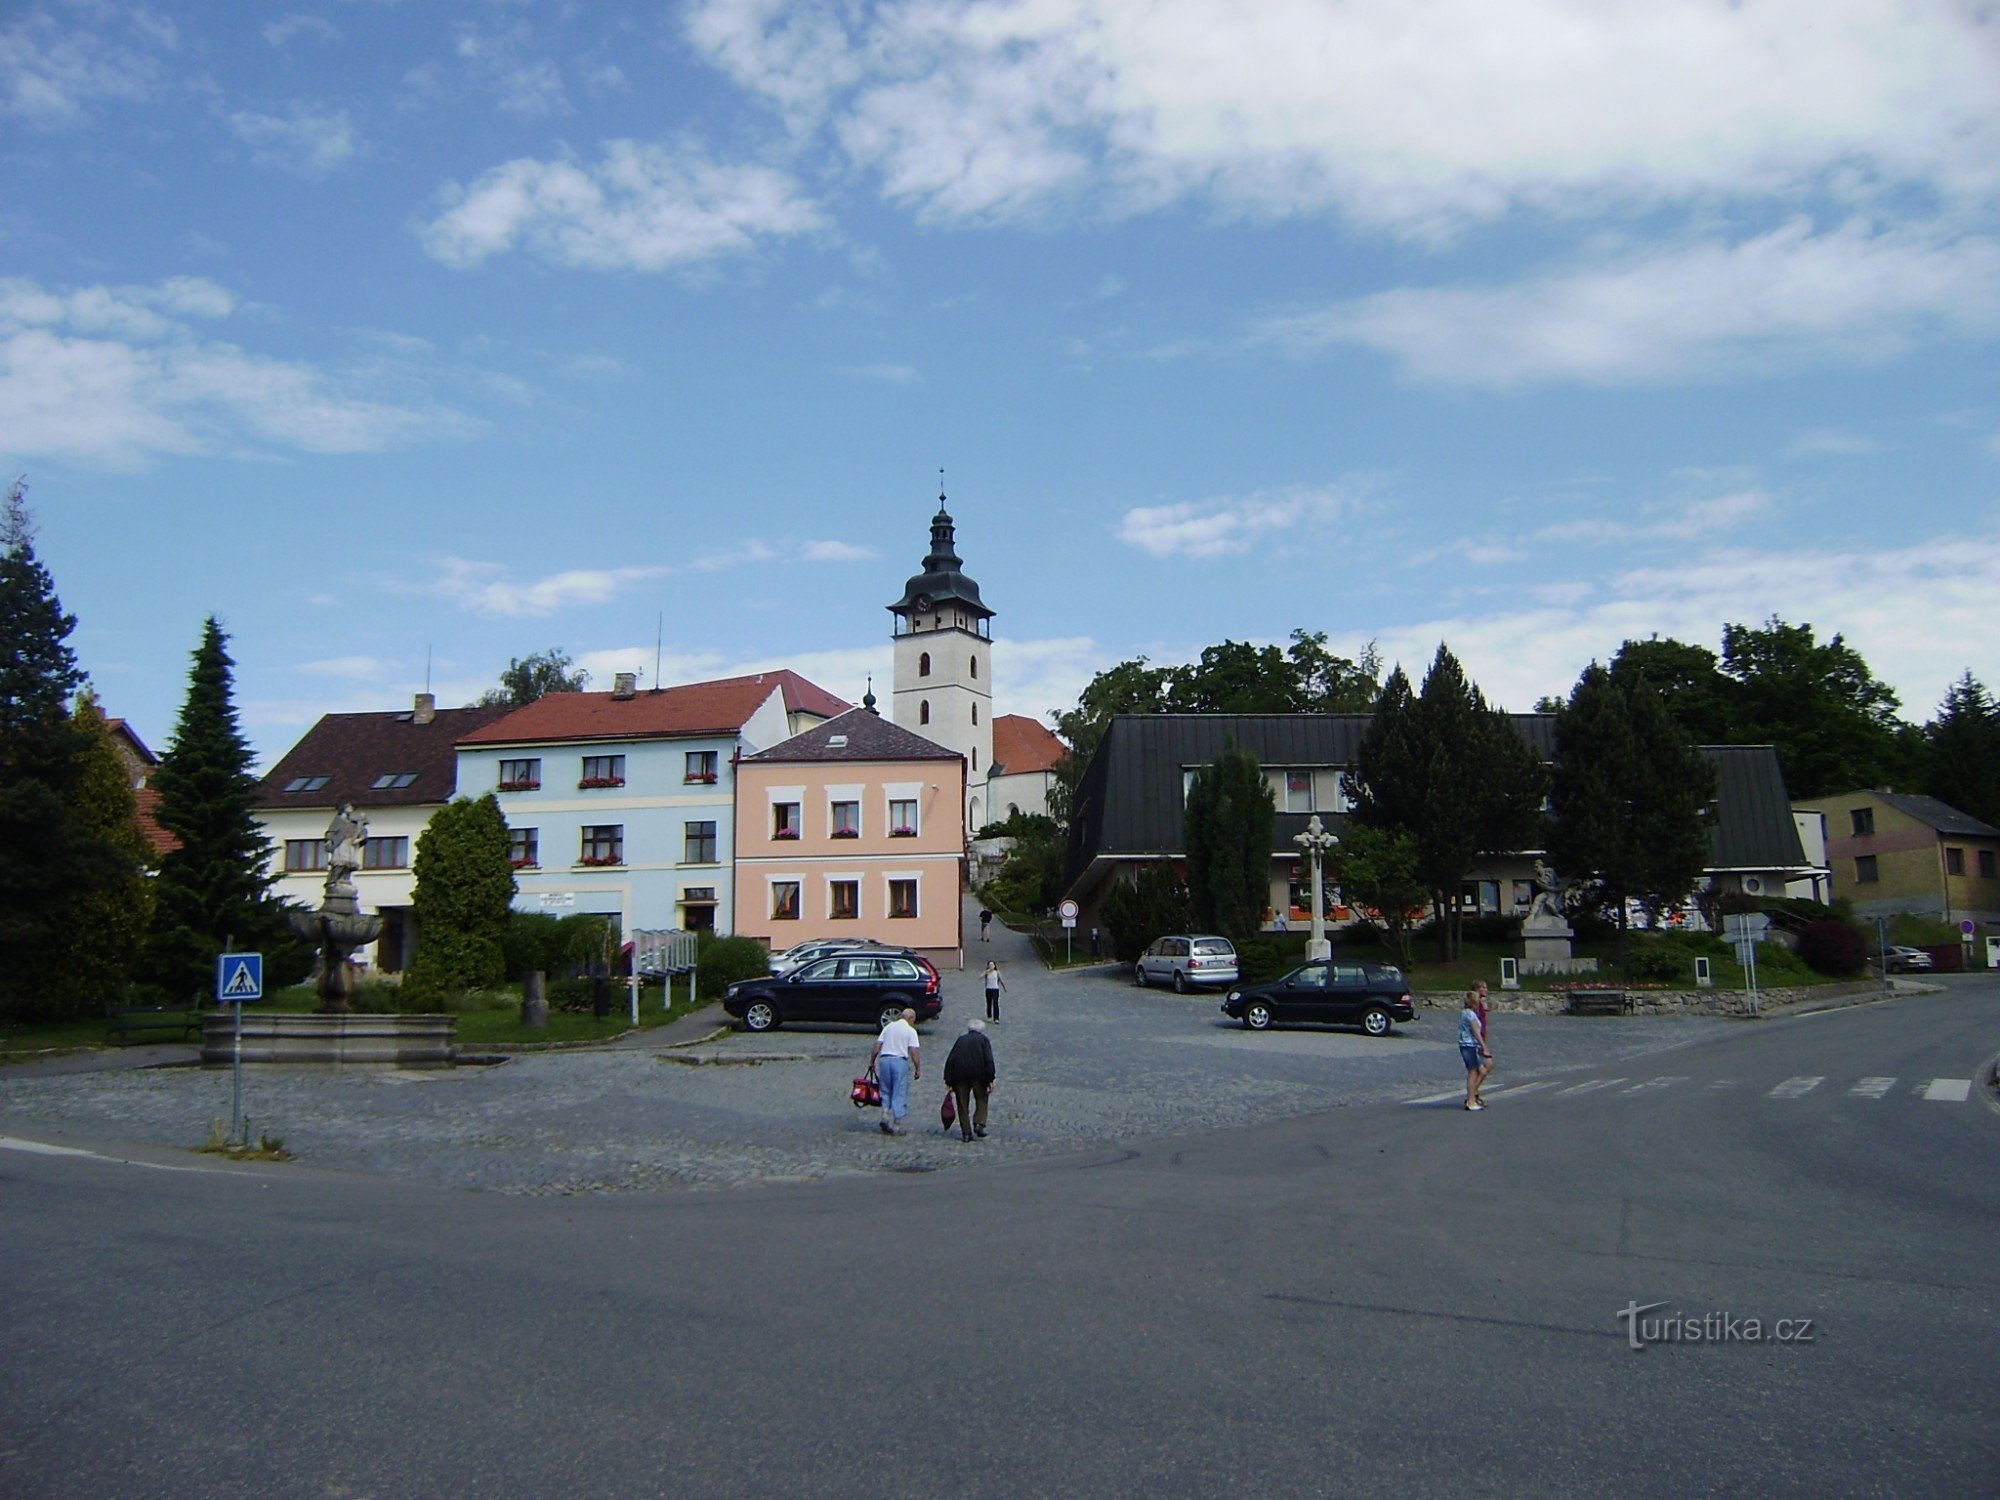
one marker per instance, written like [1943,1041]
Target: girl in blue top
[1472,1051]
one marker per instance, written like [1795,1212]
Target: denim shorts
[1470,1056]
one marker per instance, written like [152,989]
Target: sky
[411,338]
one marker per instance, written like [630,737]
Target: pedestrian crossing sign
[239,977]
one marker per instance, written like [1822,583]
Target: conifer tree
[462,900]
[48,859]
[212,887]
[1961,756]
[1227,836]
[105,926]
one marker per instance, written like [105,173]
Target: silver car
[1187,961]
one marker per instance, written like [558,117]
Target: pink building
[852,829]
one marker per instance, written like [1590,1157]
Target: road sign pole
[236,1083]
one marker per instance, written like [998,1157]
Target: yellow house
[1891,852]
[852,829]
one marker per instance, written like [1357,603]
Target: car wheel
[1257,1016]
[1139,975]
[893,1011]
[1376,1022]
[760,1015]
[1180,982]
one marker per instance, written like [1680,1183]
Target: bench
[1599,1003]
[125,1021]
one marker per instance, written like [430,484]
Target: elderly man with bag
[969,1074]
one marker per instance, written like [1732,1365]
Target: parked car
[1371,996]
[1186,961]
[867,987]
[800,954]
[1903,960]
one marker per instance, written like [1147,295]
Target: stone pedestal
[1547,946]
[395,1041]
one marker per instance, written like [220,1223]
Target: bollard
[534,1001]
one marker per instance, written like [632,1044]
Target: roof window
[306,783]
[394,780]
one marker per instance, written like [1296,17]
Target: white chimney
[624,684]
[426,709]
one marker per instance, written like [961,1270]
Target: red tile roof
[146,813]
[857,735]
[695,708]
[1022,744]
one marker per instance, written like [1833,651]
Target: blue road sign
[239,977]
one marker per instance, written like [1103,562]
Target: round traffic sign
[1067,911]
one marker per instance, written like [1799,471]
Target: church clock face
[923,601]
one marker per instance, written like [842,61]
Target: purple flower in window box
[847,833]
[784,833]
[598,781]
[902,833]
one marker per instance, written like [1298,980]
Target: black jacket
[970,1062]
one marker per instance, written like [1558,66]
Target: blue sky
[452,331]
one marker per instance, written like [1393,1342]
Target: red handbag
[867,1093]
[948,1111]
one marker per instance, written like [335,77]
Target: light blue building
[622,803]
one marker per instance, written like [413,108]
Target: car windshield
[1213,945]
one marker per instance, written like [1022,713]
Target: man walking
[985,925]
[897,1060]
[969,1074]
[994,985]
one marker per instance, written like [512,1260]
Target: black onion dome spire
[943,580]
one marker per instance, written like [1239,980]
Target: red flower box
[590,782]
[602,859]
[520,786]
[705,778]
[525,864]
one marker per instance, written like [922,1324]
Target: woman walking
[1472,1051]
[994,985]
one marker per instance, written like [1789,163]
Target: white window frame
[916,878]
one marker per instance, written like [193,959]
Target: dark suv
[1371,996]
[870,988]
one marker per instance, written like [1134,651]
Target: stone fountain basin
[347,1040]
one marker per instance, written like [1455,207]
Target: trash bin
[600,996]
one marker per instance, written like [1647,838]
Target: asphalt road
[1381,1299]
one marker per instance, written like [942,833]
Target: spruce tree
[212,887]
[1961,755]
[1227,830]
[49,861]
[463,898]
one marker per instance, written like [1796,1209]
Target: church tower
[944,663]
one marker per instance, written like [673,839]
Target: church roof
[1022,744]
[943,580]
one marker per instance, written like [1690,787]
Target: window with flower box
[385,854]
[902,898]
[602,771]
[784,820]
[520,775]
[603,844]
[701,768]
[784,901]
[843,900]
[903,817]
[698,843]
[305,854]
[524,848]
[846,819]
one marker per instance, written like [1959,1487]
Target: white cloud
[1833,442]
[305,140]
[1216,527]
[113,375]
[1421,119]
[641,208]
[1786,299]
[489,589]
[498,61]
[281,31]
[50,72]
[834,551]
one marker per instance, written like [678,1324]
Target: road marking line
[1725,1083]
[1949,1090]
[1437,1098]
[43,1148]
[1516,1090]
[1591,1087]
[1664,1081]
[1873,1088]
[1795,1088]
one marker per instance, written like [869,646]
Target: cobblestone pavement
[1086,1059]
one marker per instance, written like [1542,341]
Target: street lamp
[1316,841]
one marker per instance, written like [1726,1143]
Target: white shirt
[899,1038]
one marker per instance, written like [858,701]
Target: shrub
[1777,964]
[1138,911]
[722,961]
[1270,954]
[1491,928]
[534,940]
[1833,947]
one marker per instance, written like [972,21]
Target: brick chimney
[426,709]
[625,685]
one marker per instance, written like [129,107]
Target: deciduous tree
[535,676]
[1834,725]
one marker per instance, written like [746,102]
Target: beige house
[1891,852]
[852,829]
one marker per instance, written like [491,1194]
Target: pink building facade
[852,829]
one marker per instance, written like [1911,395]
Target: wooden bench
[1599,1003]
[125,1021]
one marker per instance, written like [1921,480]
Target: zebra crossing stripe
[1664,1081]
[1519,1089]
[1873,1088]
[1794,1088]
[1949,1090]
[1589,1088]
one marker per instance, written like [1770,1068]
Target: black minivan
[1371,996]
